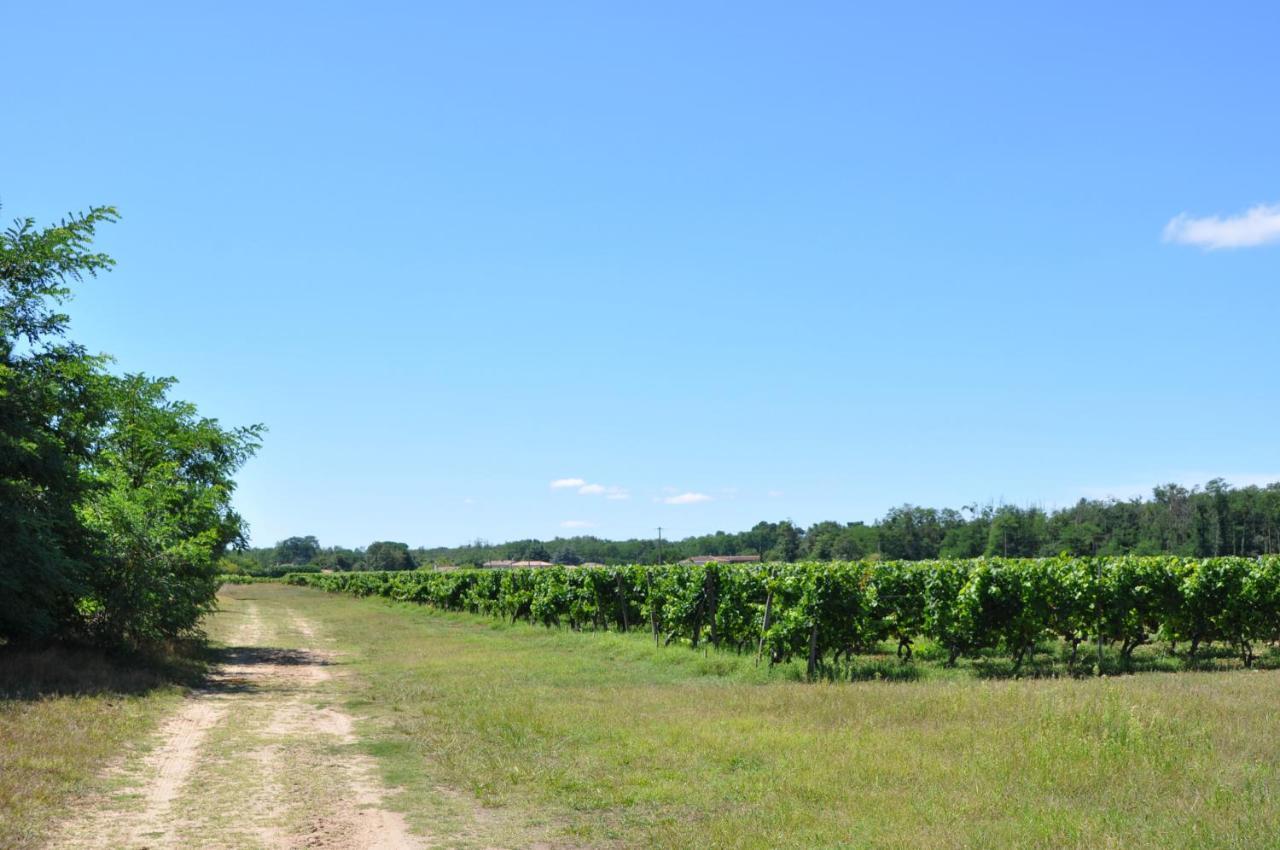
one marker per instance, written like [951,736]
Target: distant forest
[1217,519]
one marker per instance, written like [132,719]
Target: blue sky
[716,262]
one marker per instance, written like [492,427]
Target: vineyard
[827,614]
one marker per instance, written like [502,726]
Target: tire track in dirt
[356,818]
[172,763]
[166,768]
[259,758]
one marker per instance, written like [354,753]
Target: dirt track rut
[263,757]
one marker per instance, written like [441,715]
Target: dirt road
[263,757]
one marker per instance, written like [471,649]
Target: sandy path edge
[271,691]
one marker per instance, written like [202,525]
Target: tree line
[1198,522]
[115,497]
[305,554]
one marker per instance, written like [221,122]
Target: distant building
[699,560]
[506,565]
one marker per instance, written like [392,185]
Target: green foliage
[899,599]
[388,555]
[240,578]
[114,499]
[52,407]
[297,550]
[1017,533]
[160,512]
[828,613]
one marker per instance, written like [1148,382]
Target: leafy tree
[52,406]
[114,499]
[337,558]
[821,541]
[762,537]
[1017,533]
[161,512]
[531,550]
[388,555]
[913,533]
[787,542]
[967,538]
[297,550]
[1206,531]
[567,557]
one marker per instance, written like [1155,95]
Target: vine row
[824,613]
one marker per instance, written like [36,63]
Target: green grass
[64,715]
[601,739]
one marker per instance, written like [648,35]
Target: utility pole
[659,544]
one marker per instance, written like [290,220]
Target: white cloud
[687,499]
[613,491]
[577,523]
[1257,226]
[566,483]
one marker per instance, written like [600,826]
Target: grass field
[492,735]
[604,740]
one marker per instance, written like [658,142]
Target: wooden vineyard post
[1098,625]
[622,601]
[700,611]
[653,613]
[813,651]
[764,627]
[713,588]
[697,616]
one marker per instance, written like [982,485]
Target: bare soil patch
[261,757]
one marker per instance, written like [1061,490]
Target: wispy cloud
[775,494]
[687,499]
[567,483]
[577,523]
[1256,226]
[612,491]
